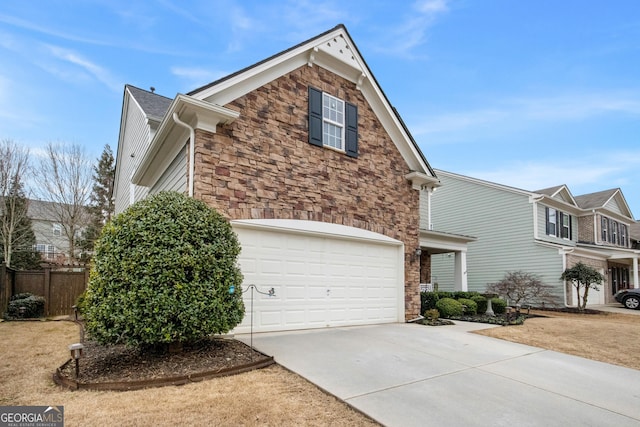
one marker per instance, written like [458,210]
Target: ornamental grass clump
[164,272]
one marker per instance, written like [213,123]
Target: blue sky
[527,93]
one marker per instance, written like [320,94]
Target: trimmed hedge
[470,306]
[498,305]
[481,302]
[449,307]
[164,271]
[34,306]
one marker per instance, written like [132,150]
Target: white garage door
[322,275]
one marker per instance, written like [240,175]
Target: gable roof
[612,200]
[335,51]
[559,192]
[595,200]
[154,106]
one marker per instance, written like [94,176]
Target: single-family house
[49,233]
[542,232]
[319,176]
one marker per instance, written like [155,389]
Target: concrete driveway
[413,375]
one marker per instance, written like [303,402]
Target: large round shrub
[162,273]
[468,305]
[449,307]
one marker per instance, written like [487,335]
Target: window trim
[326,120]
[316,123]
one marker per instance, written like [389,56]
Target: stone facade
[585,229]
[262,167]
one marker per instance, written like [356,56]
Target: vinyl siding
[135,140]
[613,206]
[174,178]
[542,228]
[503,222]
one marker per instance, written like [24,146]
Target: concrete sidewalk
[413,375]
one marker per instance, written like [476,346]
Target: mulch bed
[119,363]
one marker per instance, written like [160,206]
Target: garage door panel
[318,280]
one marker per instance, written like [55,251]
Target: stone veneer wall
[262,167]
[585,229]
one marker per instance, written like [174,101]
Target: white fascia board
[169,139]
[421,180]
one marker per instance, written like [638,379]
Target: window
[57,230]
[604,227]
[333,122]
[558,223]
[551,222]
[565,231]
[623,235]
[614,232]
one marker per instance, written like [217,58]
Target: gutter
[192,154]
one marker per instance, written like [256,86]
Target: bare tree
[65,180]
[519,287]
[14,167]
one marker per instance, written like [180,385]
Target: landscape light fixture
[76,354]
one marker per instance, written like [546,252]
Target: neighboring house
[315,169]
[50,239]
[542,232]
[634,232]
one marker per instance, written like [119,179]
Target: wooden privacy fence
[59,287]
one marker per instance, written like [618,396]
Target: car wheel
[632,302]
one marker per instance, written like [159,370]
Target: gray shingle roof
[634,230]
[549,191]
[153,105]
[595,200]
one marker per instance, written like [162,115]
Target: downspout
[564,267]
[192,154]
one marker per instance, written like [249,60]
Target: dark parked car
[629,297]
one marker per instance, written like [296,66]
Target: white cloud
[410,33]
[95,71]
[582,175]
[524,112]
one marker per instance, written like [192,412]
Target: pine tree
[19,253]
[102,206]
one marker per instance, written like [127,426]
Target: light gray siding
[613,206]
[135,138]
[174,177]
[503,220]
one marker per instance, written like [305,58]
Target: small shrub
[499,305]
[34,306]
[432,314]
[428,301]
[449,307]
[81,302]
[481,302]
[470,306]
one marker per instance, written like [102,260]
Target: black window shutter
[546,214]
[351,134]
[315,116]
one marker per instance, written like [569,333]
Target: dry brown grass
[606,337]
[31,351]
